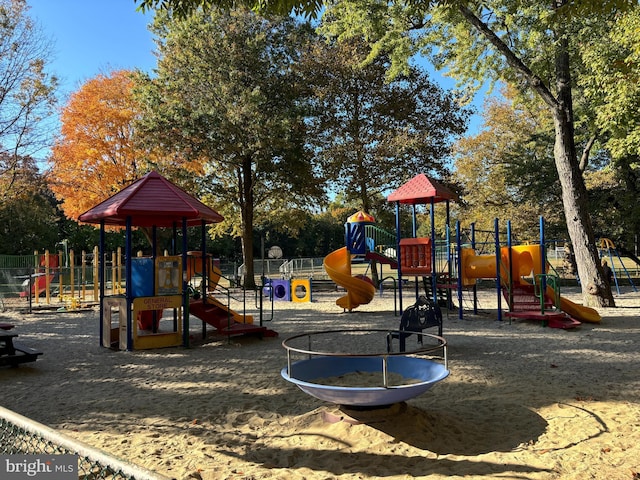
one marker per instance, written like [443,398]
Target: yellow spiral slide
[359,292]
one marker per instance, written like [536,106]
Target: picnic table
[14,353]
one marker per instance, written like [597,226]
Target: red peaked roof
[420,190]
[151,201]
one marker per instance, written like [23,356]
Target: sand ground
[521,401]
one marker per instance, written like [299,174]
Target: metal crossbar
[21,435]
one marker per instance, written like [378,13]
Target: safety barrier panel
[415,256]
[281,290]
[303,286]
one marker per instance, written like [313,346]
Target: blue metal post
[185,290]
[510,265]
[398,234]
[100,279]
[475,285]
[448,247]
[543,266]
[447,242]
[434,277]
[498,279]
[128,290]
[459,254]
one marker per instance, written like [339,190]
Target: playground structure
[63,280]
[522,275]
[56,274]
[40,282]
[530,290]
[211,310]
[159,283]
[298,290]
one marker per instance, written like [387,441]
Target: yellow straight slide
[579,312]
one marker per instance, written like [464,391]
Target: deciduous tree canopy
[506,171]
[28,217]
[95,155]
[26,91]
[226,95]
[369,134]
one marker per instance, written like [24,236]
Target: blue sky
[93,36]
[90,37]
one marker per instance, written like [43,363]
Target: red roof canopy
[420,190]
[151,201]
[361,217]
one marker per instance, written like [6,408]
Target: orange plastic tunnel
[525,259]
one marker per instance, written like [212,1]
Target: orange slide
[194,267]
[526,259]
[359,291]
[214,312]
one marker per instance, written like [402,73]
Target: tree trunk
[595,290]
[246,207]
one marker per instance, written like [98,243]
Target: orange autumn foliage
[96,154]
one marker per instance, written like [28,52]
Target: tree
[528,44]
[28,217]
[95,156]
[611,83]
[97,153]
[371,135]
[506,171]
[226,95]
[26,91]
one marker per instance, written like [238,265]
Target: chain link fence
[20,435]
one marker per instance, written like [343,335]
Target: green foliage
[614,196]
[184,8]
[507,171]
[370,135]
[226,96]
[28,217]
[613,81]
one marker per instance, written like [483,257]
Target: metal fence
[25,283]
[306,267]
[20,435]
[287,268]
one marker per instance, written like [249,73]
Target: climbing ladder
[533,302]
